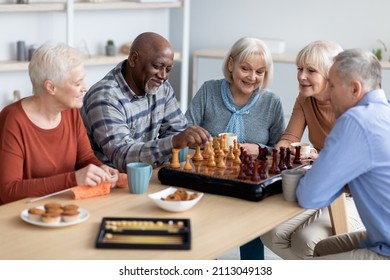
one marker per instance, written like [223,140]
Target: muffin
[35,214]
[51,218]
[70,207]
[52,205]
[70,215]
[54,210]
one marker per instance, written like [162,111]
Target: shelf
[80,6]
[38,7]
[96,60]
[124,5]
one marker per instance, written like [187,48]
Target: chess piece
[235,144]
[274,167]
[216,143]
[187,165]
[282,164]
[221,161]
[237,154]
[211,161]
[241,174]
[287,159]
[230,155]
[297,157]
[198,154]
[175,158]
[263,170]
[224,143]
[206,150]
[255,176]
[263,152]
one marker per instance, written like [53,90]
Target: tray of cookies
[144,233]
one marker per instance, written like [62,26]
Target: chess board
[223,181]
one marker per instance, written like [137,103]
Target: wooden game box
[222,184]
[144,233]
[230,176]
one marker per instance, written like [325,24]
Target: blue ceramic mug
[138,177]
[183,154]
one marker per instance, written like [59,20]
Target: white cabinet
[86,26]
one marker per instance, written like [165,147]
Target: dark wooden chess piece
[297,157]
[263,170]
[242,175]
[274,167]
[255,176]
[287,159]
[263,152]
[282,164]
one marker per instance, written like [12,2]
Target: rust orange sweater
[317,115]
[35,161]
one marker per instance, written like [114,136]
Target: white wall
[214,23]
[352,23]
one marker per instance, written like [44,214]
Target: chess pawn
[211,161]
[230,155]
[221,161]
[255,176]
[215,143]
[237,153]
[241,174]
[198,154]
[263,170]
[187,165]
[206,150]
[235,144]
[175,158]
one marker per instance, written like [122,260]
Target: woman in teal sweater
[240,103]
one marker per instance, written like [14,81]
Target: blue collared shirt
[357,153]
[124,127]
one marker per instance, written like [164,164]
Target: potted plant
[379,51]
[110,48]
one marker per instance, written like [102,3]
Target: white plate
[84,215]
[174,206]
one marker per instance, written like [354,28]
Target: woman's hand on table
[93,175]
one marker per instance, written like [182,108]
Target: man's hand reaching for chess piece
[193,135]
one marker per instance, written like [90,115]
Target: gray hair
[241,50]
[319,53]
[52,62]
[362,65]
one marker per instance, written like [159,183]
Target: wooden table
[218,225]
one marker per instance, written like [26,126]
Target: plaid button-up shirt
[124,128]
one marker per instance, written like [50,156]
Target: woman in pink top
[44,147]
[311,110]
[296,238]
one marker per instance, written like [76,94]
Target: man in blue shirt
[132,113]
[357,153]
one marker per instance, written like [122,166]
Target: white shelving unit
[70,8]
